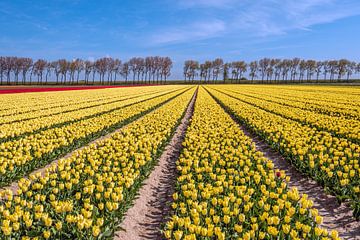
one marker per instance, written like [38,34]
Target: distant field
[46,88]
[72,164]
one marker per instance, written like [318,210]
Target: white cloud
[191,32]
[265,18]
[253,18]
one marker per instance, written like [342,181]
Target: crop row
[22,156]
[297,100]
[229,190]
[86,194]
[49,110]
[337,126]
[19,128]
[19,103]
[331,161]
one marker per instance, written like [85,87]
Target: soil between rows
[151,209]
[335,216]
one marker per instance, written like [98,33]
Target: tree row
[271,69]
[105,70]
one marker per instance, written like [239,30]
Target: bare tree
[116,68]
[217,66]
[208,68]
[101,68]
[125,70]
[318,67]
[253,69]
[350,69]
[311,67]
[9,66]
[18,62]
[2,68]
[263,65]
[25,68]
[88,68]
[238,69]
[39,67]
[48,68]
[167,65]
[302,69]
[342,67]
[64,67]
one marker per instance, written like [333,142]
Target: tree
[39,67]
[311,67]
[186,69]
[253,69]
[203,72]
[277,69]
[238,68]
[350,69]
[125,70]
[116,68]
[342,67]
[226,71]
[64,66]
[101,68]
[217,66]
[88,68]
[263,65]
[318,67]
[2,68]
[133,67]
[285,64]
[333,65]
[79,67]
[25,68]
[18,62]
[293,68]
[208,67]
[166,67]
[9,65]
[302,69]
[326,68]
[48,68]
[190,69]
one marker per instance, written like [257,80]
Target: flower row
[337,126]
[331,161]
[22,156]
[66,105]
[84,196]
[229,190]
[19,128]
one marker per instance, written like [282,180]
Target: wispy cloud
[191,32]
[260,18]
[206,3]
[266,18]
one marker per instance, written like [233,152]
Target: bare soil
[152,208]
[335,216]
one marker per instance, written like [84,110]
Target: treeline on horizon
[107,70]
[156,69]
[270,69]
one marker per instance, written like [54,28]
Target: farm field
[181,162]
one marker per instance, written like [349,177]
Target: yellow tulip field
[225,188]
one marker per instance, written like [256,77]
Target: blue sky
[183,29]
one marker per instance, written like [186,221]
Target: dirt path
[336,217]
[145,218]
